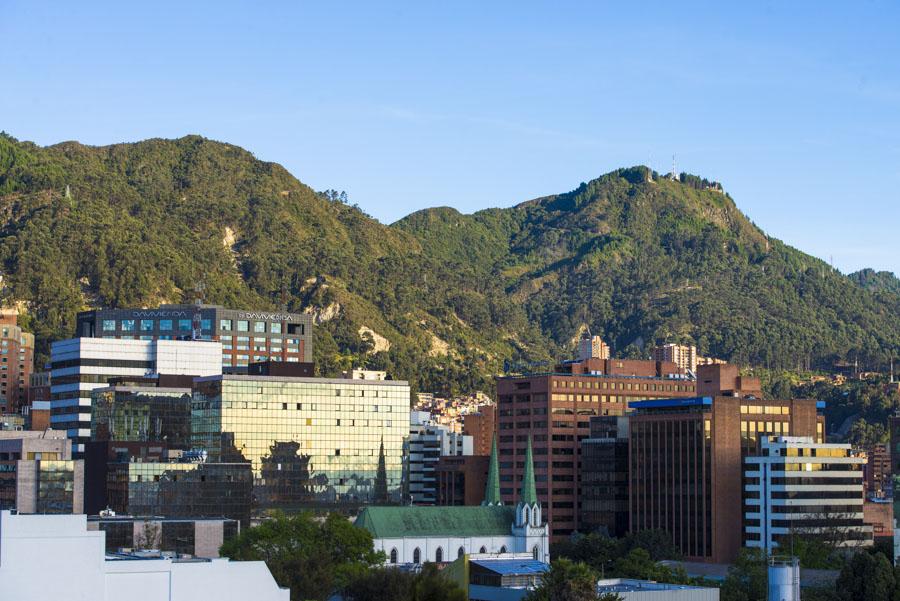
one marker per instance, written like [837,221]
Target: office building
[38,474]
[482,427]
[246,336]
[81,365]
[461,479]
[413,535]
[592,347]
[798,486]
[556,408]
[426,444]
[57,557]
[604,477]
[16,362]
[310,442]
[877,470]
[487,577]
[195,537]
[141,413]
[682,355]
[686,464]
[37,409]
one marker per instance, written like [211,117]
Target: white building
[800,486]
[427,443]
[415,535]
[79,365]
[56,557]
[592,347]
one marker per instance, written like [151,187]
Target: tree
[867,577]
[150,537]
[391,584]
[747,578]
[381,491]
[314,558]
[568,581]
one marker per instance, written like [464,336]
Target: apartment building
[426,444]
[16,362]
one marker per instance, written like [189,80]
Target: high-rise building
[604,476]
[682,355]
[461,479]
[427,443]
[592,347]
[37,411]
[38,474]
[482,427]
[310,442]
[16,362]
[877,470]
[80,365]
[686,464]
[246,336]
[796,486]
[555,408]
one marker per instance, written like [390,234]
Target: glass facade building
[311,442]
[142,414]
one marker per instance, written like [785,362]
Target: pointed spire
[529,492]
[492,489]
[381,492]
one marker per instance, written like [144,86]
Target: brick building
[16,362]
[461,479]
[482,427]
[555,408]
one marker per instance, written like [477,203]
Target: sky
[793,106]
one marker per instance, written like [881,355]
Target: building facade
[196,537]
[81,365]
[592,347]
[604,477]
[426,444]
[58,557]
[461,479]
[686,464]
[38,474]
[555,408]
[16,362]
[682,355]
[796,486]
[482,427]
[310,442]
[246,336]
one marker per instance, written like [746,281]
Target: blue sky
[795,107]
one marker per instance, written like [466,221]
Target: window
[439,555]
[146,325]
[482,550]
[417,556]
[259,326]
[206,325]
[225,325]
[243,326]
[275,328]
[460,553]
[165,325]
[394,555]
[109,325]
[184,325]
[535,553]
[128,325]
[503,549]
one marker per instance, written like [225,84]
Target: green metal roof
[492,489]
[529,492]
[398,522]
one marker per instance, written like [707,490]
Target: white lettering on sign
[268,316]
[159,313]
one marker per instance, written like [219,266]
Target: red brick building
[461,479]
[482,427]
[555,409]
[16,362]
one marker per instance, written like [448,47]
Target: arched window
[482,550]
[535,552]
[439,555]
[417,556]
[460,553]
[536,520]
[394,555]
[525,515]
[503,549]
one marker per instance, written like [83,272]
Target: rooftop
[512,567]
[628,585]
[422,521]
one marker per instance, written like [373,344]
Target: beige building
[592,347]
[682,355]
[38,474]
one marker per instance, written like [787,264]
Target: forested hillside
[439,298]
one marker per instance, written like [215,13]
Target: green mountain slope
[877,281]
[451,295]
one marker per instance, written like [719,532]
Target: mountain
[877,281]
[439,297]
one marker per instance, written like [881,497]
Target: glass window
[225,325]
[206,325]
[259,326]
[165,325]
[184,325]
[128,325]
[109,325]
[146,325]
[243,326]
[275,328]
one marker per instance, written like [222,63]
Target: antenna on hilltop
[674,173]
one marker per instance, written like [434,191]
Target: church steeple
[528,494]
[492,489]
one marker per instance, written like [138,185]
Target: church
[441,534]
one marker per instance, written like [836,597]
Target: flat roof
[628,585]
[300,380]
[512,566]
[700,401]
[664,377]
